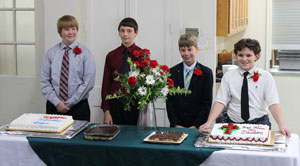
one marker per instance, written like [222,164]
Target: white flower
[156,72]
[142,91]
[133,74]
[150,80]
[165,91]
[142,75]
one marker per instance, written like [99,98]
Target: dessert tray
[69,133]
[280,143]
[147,139]
[102,132]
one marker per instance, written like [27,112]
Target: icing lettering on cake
[239,133]
[41,122]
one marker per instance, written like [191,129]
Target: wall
[201,14]
[288,90]
[257,14]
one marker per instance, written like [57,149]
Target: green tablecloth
[127,148]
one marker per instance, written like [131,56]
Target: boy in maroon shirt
[116,61]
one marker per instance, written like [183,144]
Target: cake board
[278,140]
[69,133]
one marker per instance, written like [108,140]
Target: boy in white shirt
[262,96]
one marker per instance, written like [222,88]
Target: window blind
[286,24]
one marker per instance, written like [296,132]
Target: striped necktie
[63,89]
[188,77]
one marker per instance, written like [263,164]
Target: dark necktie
[245,99]
[125,65]
[64,74]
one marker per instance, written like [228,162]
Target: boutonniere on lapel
[198,71]
[255,76]
[77,50]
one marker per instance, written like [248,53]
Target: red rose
[153,63]
[224,126]
[171,83]
[132,81]
[123,90]
[228,131]
[235,127]
[255,76]
[136,63]
[145,50]
[198,72]
[77,50]
[136,54]
[165,68]
[144,63]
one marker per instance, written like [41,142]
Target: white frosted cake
[240,133]
[41,123]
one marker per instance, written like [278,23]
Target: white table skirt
[15,150]
[250,158]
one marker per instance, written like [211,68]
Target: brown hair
[66,21]
[252,44]
[129,22]
[187,40]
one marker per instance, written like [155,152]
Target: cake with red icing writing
[240,133]
[41,123]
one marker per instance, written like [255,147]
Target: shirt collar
[243,71]
[130,48]
[191,68]
[72,46]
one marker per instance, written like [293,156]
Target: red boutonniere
[77,50]
[198,71]
[255,76]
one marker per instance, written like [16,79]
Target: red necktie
[63,89]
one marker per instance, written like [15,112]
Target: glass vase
[147,118]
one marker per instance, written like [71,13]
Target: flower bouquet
[145,83]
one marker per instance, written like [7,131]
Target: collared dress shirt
[113,63]
[190,68]
[262,93]
[82,73]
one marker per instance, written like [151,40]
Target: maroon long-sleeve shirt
[113,62]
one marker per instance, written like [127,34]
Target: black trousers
[121,116]
[80,111]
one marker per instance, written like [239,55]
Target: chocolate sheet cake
[170,136]
[99,132]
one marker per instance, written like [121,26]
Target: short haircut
[187,40]
[66,21]
[252,44]
[129,22]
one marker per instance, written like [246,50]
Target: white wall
[201,14]
[288,90]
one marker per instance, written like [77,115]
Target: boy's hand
[285,131]
[107,118]
[61,107]
[205,127]
[179,126]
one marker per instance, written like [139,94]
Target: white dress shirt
[262,93]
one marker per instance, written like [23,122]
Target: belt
[250,121]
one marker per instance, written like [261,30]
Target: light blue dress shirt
[188,68]
[82,73]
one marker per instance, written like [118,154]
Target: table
[16,151]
